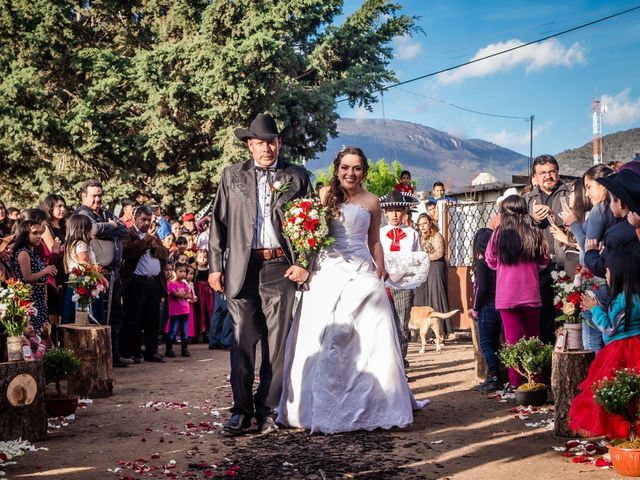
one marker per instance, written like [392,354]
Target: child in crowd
[164,304]
[619,320]
[34,346]
[30,268]
[484,309]
[179,295]
[191,331]
[191,246]
[77,251]
[169,242]
[204,307]
[181,249]
[517,251]
[404,185]
[397,237]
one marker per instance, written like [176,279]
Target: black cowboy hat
[626,186]
[396,199]
[262,127]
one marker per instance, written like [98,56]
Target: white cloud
[405,48]
[361,113]
[517,141]
[620,108]
[550,53]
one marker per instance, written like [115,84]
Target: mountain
[429,154]
[621,146]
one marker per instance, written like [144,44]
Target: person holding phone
[593,226]
[544,204]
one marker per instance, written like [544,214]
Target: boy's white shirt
[410,243]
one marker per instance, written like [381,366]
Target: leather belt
[146,277]
[266,253]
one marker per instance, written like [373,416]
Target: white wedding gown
[343,367]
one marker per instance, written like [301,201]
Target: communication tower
[598,109]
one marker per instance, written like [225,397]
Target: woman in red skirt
[620,323]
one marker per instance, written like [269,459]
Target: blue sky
[556,80]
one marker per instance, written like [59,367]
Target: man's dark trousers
[141,301]
[261,312]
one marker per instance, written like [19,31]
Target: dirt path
[163,422]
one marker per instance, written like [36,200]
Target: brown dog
[425,318]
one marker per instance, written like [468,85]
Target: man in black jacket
[107,231]
[545,203]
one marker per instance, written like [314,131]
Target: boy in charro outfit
[398,237]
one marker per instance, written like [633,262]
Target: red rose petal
[572,444]
[578,459]
[601,462]
[3,457]
[155,456]
[567,454]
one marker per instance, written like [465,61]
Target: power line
[526,119]
[564,32]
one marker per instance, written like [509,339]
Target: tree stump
[22,401]
[478,357]
[92,345]
[568,370]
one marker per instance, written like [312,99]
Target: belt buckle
[268,254]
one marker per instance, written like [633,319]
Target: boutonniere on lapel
[279,187]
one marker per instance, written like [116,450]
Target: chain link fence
[464,222]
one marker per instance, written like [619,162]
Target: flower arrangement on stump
[306,225]
[620,395]
[568,292]
[16,308]
[88,283]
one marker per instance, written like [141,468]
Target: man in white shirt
[143,284]
[398,237]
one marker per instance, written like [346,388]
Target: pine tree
[145,95]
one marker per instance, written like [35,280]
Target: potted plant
[620,395]
[58,364]
[528,357]
[16,310]
[88,283]
[568,292]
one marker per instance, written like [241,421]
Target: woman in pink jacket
[517,251]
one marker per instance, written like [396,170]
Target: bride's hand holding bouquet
[306,225]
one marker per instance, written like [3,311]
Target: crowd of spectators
[142,252]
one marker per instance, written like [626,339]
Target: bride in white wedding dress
[343,366]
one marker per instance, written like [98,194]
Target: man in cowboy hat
[396,236]
[252,262]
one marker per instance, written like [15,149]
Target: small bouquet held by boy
[88,284]
[306,225]
[568,292]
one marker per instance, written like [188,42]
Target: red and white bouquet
[88,283]
[306,225]
[16,307]
[568,293]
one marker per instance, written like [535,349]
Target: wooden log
[22,401]
[568,370]
[478,357]
[92,345]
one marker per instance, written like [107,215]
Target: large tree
[145,94]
